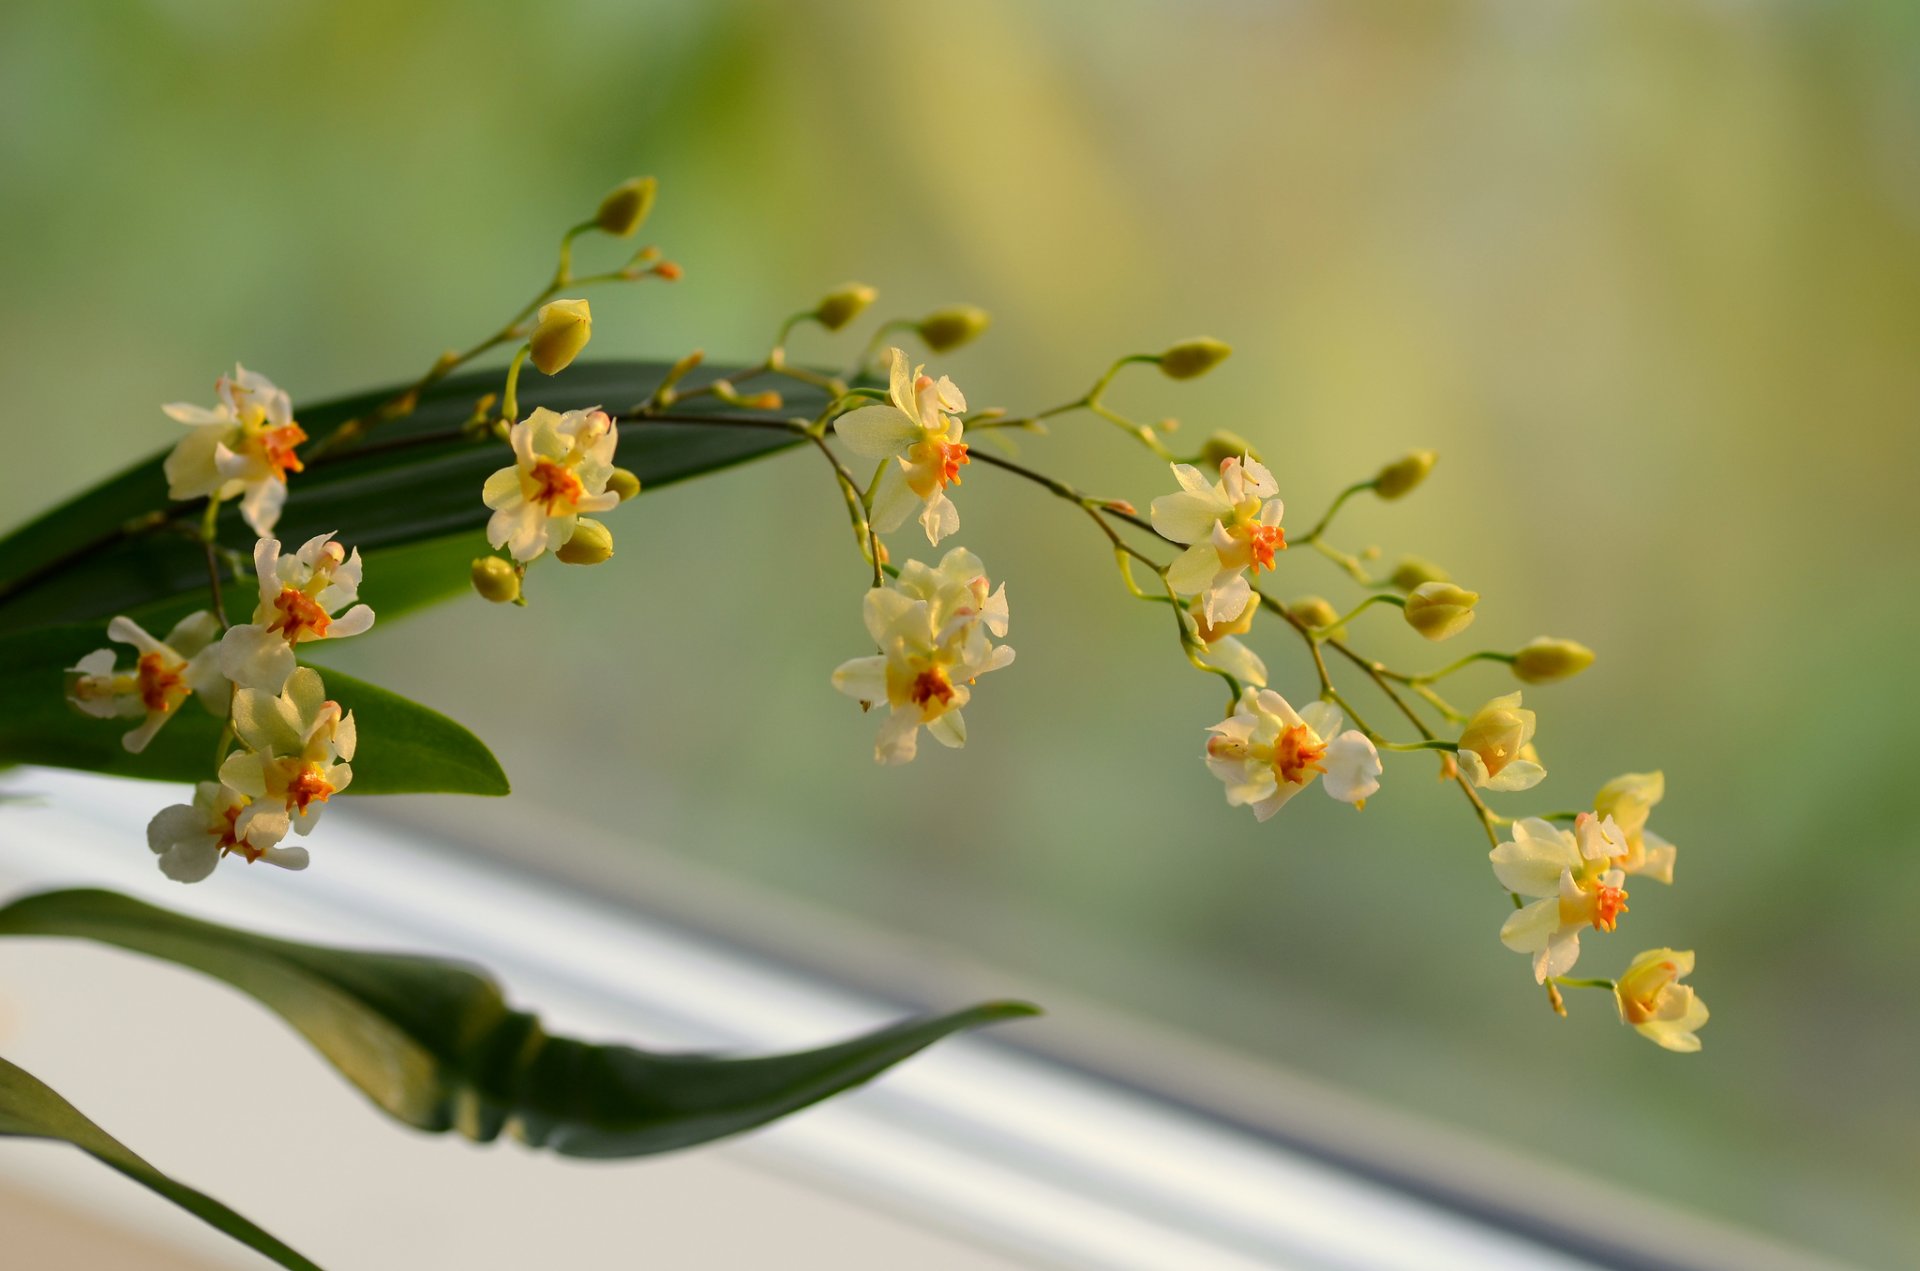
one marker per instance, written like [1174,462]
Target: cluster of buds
[286,748]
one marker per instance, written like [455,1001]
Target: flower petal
[877,432]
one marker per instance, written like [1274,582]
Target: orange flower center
[307,787]
[161,686]
[1608,904]
[556,485]
[952,455]
[276,446]
[931,684]
[1262,542]
[300,615]
[1297,754]
[230,840]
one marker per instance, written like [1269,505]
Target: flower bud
[626,208]
[946,329]
[1412,571]
[1438,610]
[844,304]
[623,483]
[591,543]
[1193,358]
[1224,445]
[1543,660]
[1315,612]
[559,333]
[496,580]
[1401,476]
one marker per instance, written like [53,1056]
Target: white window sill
[965,1156]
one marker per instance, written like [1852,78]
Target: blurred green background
[1646,274]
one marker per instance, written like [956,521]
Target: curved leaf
[412,480]
[31,1109]
[434,1044]
[405,747]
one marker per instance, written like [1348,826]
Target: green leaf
[435,1045]
[31,1109]
[412,480]
[405,748]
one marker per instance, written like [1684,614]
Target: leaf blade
[406,748]
[413,480]
[29,1108]
[435,1045]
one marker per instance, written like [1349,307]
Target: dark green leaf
[30,1109]
[434,1043]
[412,480]
[405,748]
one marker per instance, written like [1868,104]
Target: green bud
[1224,445]
[1544,659]
[496,580]
[626,208]
[946,329]
[1438,610]
[623,483]
[844,304]
[1193,358]
[1315,611]
[1413,571]
[591,543]
[1401,476]
[561,330]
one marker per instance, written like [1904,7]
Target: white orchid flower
[917,438]
[1266,752]
[297,747]
[1629,799]
[190,838]
[165,673]
[1230,525]
[1496,747]
[561,464]
[1659,1007]
[244,446]
[300,596]
[933,628]
[1225,649]
[1569,888]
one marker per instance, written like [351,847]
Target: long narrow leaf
[406,748]
[412,480]
[29,1108]
[434,1043]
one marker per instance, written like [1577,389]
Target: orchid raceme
[164,674]
[1225,649]
[1651,998]
[1496,747]
[932,627]
[300,596]
[297,747]
[1569,888]
[1629,800]
[917,441]
[190,838]
[1266,752]
[561,464]
[1230,526]
[244,446]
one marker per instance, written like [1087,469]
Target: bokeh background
[1646,274]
